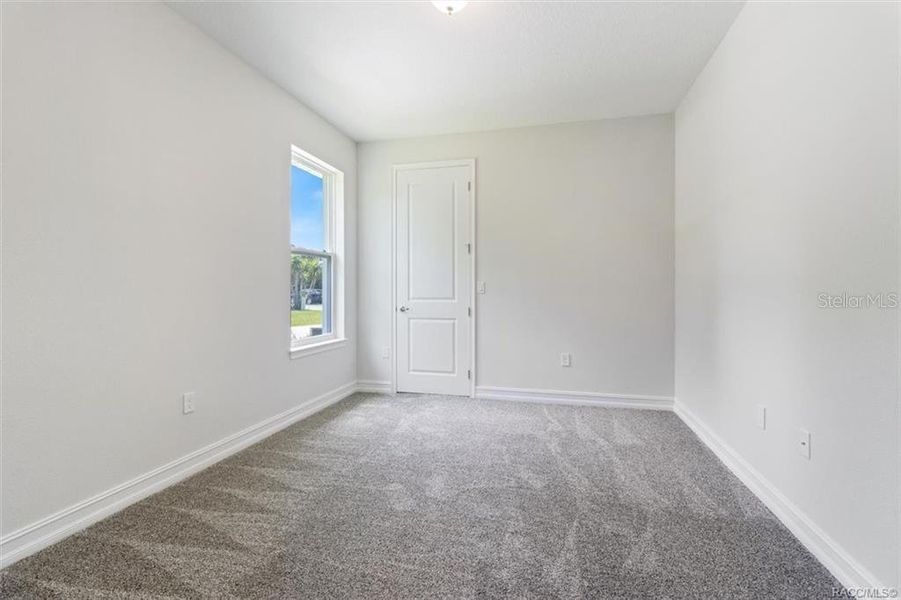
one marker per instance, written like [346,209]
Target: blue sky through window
[307,223]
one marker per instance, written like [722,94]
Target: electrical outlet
[761,416]
[187,402]
[480,287]
[804,443]
[566,359]
[386,352]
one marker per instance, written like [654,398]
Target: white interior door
[433,270]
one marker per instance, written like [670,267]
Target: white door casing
[433,289]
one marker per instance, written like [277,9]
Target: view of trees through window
[306,289]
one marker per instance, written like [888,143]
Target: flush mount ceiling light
[449,7]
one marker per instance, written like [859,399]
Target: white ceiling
[389,70]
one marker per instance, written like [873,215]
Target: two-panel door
[433,277]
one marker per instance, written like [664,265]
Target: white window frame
[333,209]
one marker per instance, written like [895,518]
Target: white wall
[574,239]
[145,230]
[786,187]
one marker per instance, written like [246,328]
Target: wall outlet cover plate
[804,443]
[187,402]
[761,416]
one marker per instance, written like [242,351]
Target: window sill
[308,349]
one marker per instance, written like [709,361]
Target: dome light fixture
[449,7]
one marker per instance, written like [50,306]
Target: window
[316,244]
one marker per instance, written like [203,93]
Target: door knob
[403,309]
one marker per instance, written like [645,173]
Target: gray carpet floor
[437,497]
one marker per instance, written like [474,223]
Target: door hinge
[469,186]
[468,374]
[468,248]
[469,310]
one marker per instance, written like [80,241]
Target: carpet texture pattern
[437,497]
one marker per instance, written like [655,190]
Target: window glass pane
[310,296]
[307,214]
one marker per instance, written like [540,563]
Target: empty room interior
[450,300]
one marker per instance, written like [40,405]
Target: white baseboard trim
[49,530]
[836,559]
[374,387]
[485,392]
